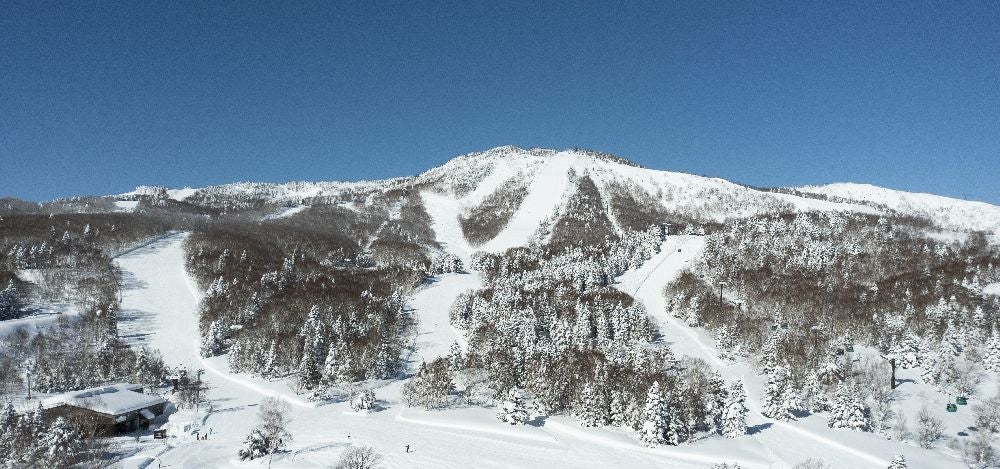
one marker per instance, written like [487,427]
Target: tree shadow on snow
[759,428]
[538,421]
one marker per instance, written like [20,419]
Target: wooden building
[107,410]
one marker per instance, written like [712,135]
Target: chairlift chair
[952,407]
[962,400]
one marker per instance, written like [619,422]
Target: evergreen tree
[678,429]
[592,409]
[717,403]
[619,410]
[779,396]
[364,400]
[898,462]
[270,367]
[455,356]
[255,445]
[62,443]
[654,418]
[816,394]
[8,429]
[734,414]
[214,343]
[848,410]
[992,352]
[10,302]
[513,410]
[331,366]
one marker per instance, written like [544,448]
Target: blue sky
[98,98]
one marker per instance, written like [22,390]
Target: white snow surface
[771,438]
[432,303]
[285,212]
[126,205]
[992,289]
[181,194]
[951,213]
[161,298]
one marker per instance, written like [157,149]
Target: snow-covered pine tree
[991,359]
[898,462]
[953,339]
[678,428]
[363,400]
[10,302]
[63,444]
[619,410]
[455,356]
[254,446]
[270,364]
[779,396]
[717,402]
[582,336]
[654,418]
[8,428]
[815,394]
[848,409]
[734,414]
[330,365]
[513,409]
[592,410]
[214,342]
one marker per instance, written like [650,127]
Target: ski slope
[811,436]
[163,306]
[544,195]
[431,305]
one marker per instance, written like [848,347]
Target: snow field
[785,444]
[453,438]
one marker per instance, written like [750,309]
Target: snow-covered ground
[787,443]
[164,303]
[126,205]
[39,319]
[40,315]
[951,213]
[992,289]
[162,306]
[285,212]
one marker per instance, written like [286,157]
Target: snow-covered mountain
[551,309]
[535,185]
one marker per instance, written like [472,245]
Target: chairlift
[774,327]
[962,400]
[850,348]
[784,324]
[840,351]
[952,407]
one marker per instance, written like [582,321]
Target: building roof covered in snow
[115,399]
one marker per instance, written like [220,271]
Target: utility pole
[721,286]
[197,391]
[27,374]
[892,363]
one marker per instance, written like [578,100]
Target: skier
[407,448]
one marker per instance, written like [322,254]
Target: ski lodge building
[119,408]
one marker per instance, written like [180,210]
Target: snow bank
[284,213]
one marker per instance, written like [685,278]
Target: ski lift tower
[892,363]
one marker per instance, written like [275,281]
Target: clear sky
[98,98]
